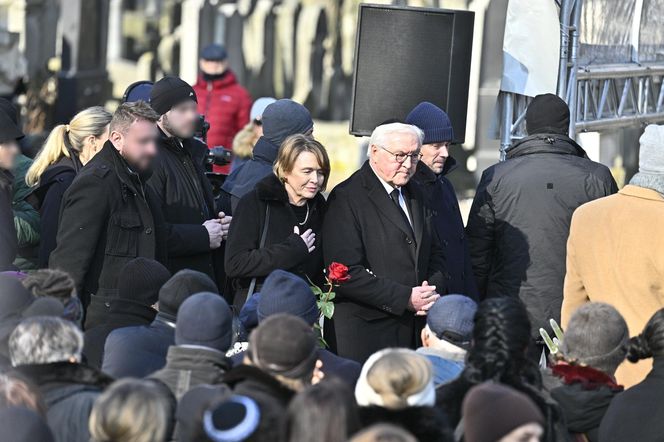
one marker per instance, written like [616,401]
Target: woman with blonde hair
[396,386]
[67,149]
[278,224]
[132,410]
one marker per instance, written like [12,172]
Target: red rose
[338,273]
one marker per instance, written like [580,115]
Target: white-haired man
[378,225]
[47,350]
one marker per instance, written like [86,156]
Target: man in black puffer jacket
[519,222]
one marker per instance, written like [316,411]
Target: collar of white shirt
[388,187]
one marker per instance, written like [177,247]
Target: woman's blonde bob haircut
[131,410]
[291,149]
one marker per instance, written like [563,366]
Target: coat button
[409,241]
[148,230]
[445,242]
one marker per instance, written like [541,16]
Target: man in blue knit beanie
[431,174]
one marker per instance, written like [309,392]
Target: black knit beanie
[547,113]
[169,92]
[141,279]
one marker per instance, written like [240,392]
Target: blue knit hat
[283,292]
[205,319]
[433,121]
[284,118]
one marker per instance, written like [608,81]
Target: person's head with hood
[204,320]
[284,118]
[494,412]
[180,287]
[547,114]
[10,133]
[175,101]
[438,134]
[396,378]
[597,337]
[53,283]
[286,348]
[44,340]
[244,141]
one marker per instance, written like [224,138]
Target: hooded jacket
[69,391]
[448,224]
[26,217]
[271,396]
[520,218]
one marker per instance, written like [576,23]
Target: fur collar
[588,377]
[248,373]
[65,373]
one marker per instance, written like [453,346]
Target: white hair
[382,132]
[43,340]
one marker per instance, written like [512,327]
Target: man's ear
[425,337]
[116,138]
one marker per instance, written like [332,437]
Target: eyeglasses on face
[400,157]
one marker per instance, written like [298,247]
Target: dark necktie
[394,195]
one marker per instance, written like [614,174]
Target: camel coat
[615,254]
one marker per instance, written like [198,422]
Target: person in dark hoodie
[14,300]
[396,386]
[583,380]
[139,283]
[26,426]
[284,292]
[141,350]
[282,360]
[281,119]
[9,134]
[68,148]
[51,283]
[636,414]
[194,227]
[203,335]
[519,221]
[47,350]
[435,165]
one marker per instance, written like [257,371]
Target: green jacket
[26,217]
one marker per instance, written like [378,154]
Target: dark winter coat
[8,241]
[244,179]
[636,414]
[187,367]
[271,396]
[108,217]
[520,218]
[226,106]
[138,351]
[364,230]
[185,198]
[283,249]
[69,392]
[26,217]
[114,314]
[53,184]
[583,394]
[448,224]
[425,423]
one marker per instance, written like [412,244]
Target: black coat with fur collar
[69,391]
[425,423]
[283,249]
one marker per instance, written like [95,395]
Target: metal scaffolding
[599,96]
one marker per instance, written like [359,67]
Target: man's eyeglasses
[415,157]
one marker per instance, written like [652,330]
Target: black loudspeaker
[404,56]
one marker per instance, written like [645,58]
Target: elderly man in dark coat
[108,216]
[519,222]
[379,226]
[431,175]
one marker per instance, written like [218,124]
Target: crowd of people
[137,305]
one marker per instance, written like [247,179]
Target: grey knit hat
[651,159]
[596,336]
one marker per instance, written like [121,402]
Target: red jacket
[226,107]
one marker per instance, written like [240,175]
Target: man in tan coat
[615,251]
